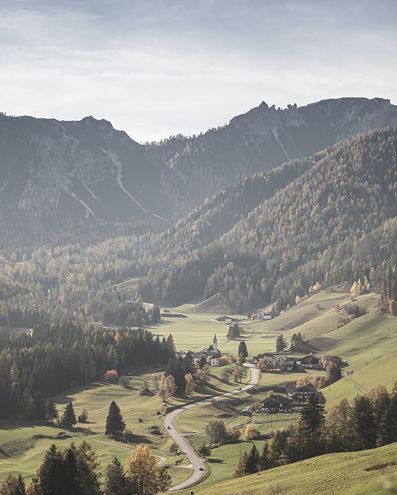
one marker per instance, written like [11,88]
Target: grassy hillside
[27,442]
[368,472]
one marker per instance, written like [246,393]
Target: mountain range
[85,181]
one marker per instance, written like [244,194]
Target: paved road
[197,463]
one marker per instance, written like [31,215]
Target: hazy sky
[161,67]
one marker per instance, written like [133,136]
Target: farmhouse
[335,360]
[262,315]
[310,362]
[301,394]
[273,361]
[276,404]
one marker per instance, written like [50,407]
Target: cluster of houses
[211,353]
[286,404]
[279,361]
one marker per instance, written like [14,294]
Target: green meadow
[369,343]
[369,472]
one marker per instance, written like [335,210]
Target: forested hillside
[336,221]
[85,181]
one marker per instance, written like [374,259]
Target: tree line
[51,359]
[77,471]
[366,422]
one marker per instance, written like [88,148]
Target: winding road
[197,463]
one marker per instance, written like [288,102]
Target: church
[211,352]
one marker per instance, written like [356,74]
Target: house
[276,404]
[262,315]
[335,360]
[246,412]
[310,362]
[301,394]
[273,361]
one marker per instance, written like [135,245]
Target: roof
[309,387]
[276,399]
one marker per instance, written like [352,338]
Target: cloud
[156,68]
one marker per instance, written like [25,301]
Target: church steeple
[215,343]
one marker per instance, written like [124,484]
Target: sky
[156,68]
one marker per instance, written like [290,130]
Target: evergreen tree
[114,421]
[50,473]
[171,349]
[116,481]
[187,364]
[240,468]
[51,411]
[233,332]
[175,368]
[281,345]
[242,349]
[252,464]
[381,404]
[265,462]
[69,417]
[312,415]
[334,373]
[392,414]
[363,423]
[278,448]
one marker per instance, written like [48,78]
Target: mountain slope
[334,220]
[67,181]
[74,176]
[261,139]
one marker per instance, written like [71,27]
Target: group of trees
[54,358]
[234,331]
[368,421]
[77,471]
[182,376]
[70,283]
[389,291]
[218,434]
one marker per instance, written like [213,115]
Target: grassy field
[141,414]
[370,472]
[369,343]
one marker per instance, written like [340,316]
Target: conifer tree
[252,463]
[265,462]
[116,481]
[242,349]
[69,417]
[114,421]
[281,345]
[363,423]
[51,411]
[240,468]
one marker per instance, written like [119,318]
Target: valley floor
[369,343]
